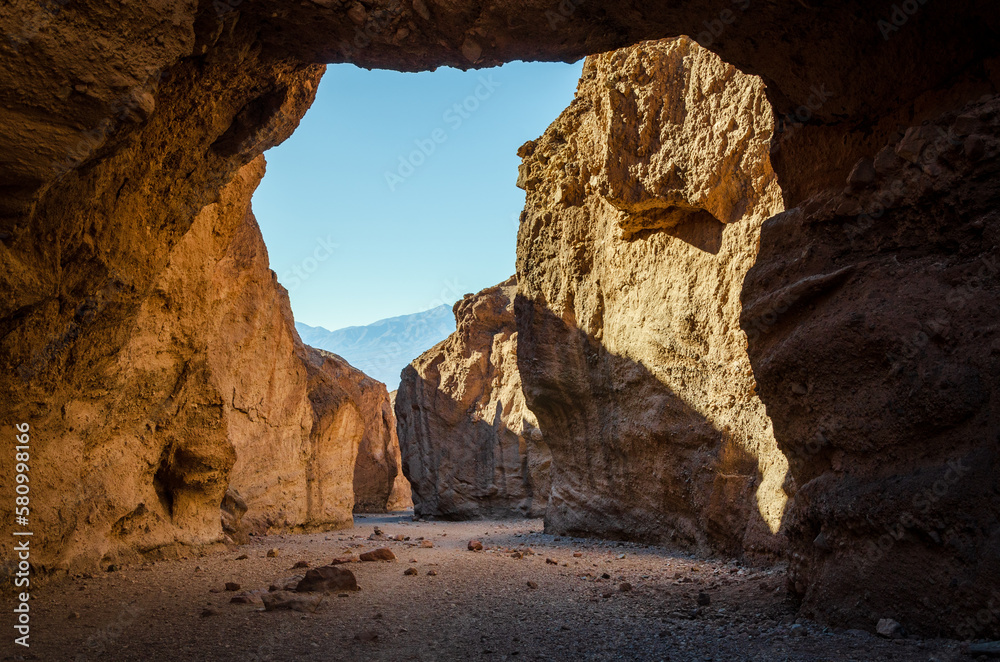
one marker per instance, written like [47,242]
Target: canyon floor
[599,600]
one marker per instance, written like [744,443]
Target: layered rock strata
[471,447]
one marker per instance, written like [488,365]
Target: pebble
[475,546]
[889,629]
[410,571]
[272,553]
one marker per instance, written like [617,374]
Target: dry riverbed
[563,599]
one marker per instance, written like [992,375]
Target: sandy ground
[479,605]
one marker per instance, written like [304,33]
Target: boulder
[328,579]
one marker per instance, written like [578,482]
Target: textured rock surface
[401,496]
[872,322]
[645,200]
[122,122]
[211,390]
[471,448]
[379,484]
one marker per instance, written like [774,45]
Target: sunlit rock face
[873,334]
[471,447]
[645,200]
[379,484]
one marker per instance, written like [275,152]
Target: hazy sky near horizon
[397,191]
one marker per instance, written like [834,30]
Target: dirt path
[478,606]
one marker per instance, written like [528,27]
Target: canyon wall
[379,484]
[471,447]
[871,315]
[212,393]
[644,205]
[113,144]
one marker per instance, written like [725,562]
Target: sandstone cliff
[212,390]
[645,200]
[379,484]
[471,448]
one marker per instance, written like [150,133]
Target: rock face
[471,448]
[113,145]
[645,200]
[379,484]
[212,395]
[871,315]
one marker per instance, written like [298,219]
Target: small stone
[551,562]
[232,587]
[357,13]
[427,544]
[914,141]
[975,148]
[797,629]
[607,594]
[420,7]
[272,553]
[620,556]
[367,636]
[967,124]
[242,599]
[380,554]
[624,587]
[577,555]
[889,629]
[605,575]
[532,584]
[301,564]
[410,572]
[704,599]
[399,537]
[862,175]
[432,573]
[209,611]
[377,531]
[475,546]
[471,50]
[286,584]
[74,615]
[215,590]
[284,600]
[340,560]
[516,555]
[242,557]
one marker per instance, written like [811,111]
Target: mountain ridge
[383,348]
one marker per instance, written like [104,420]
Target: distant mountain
[382,349]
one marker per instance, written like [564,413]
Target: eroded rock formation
[645,200]
[871,317]
[122,122]
[471,447]
[212,395]
[379,484]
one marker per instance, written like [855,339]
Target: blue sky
[397,194]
